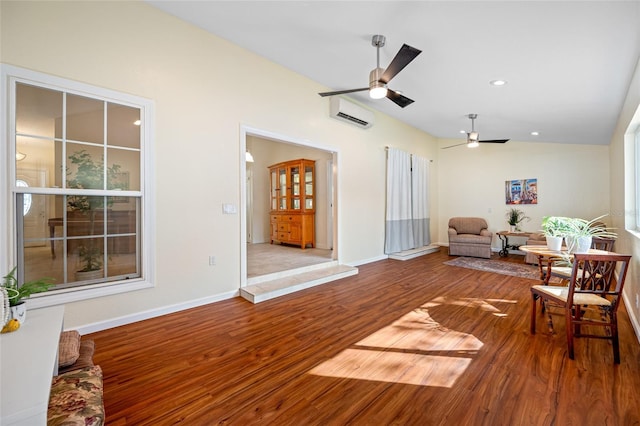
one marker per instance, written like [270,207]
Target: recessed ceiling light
[534,133]
[498,82]
[463,131]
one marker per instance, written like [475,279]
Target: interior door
[330,194]
[249,202]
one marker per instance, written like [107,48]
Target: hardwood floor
[403,343]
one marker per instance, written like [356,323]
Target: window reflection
[27,197]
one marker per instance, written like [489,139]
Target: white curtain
[407,216]
[420,201]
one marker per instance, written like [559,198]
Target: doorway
[266,149]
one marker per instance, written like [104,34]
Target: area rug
[498,267]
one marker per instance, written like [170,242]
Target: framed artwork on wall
[521,191]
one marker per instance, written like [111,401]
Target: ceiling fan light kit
[379,78]
[473,137]
[377,90]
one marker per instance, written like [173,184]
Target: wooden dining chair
[556,267]
[590,300]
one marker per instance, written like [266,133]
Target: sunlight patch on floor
[395,367]
[417,331]
[415,349]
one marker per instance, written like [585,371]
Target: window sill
[634,233]
[62,297]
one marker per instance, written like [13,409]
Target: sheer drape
[420,201]
[399,227]
[407,216]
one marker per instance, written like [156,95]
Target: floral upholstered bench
[76,398]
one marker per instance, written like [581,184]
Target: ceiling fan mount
[379,77]
[473,137]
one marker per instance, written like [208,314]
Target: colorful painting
[522,191]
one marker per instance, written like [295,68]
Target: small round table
[548,256]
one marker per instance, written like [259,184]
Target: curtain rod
[386,148]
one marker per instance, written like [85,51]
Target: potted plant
[89,174]
[555,228]
[515,217]
[582,231]
[18,293]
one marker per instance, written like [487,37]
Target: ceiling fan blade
[405,55]
[495,141]
[451,146]
[400,100]
[341,92]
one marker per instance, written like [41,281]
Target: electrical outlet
[212,260]
[637,301]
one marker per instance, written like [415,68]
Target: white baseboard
[365,261]
[140,316]
[635,321]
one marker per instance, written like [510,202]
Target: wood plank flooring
[401,343]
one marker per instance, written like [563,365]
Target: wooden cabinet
[292,200]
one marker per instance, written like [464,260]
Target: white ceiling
[568,63]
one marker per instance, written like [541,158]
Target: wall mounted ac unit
[342,109]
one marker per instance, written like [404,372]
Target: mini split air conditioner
[342,109]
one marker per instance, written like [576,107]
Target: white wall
[624,213]
[573,180]
[204,89]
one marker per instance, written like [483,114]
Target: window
[79,186]
[631,145]
[636,145]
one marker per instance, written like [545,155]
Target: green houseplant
[18,293]
[515,217]
[89,174]
[582,232]
[555,228]
[578,233]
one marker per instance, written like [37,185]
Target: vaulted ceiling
[567,64]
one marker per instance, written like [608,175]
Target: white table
[28,361]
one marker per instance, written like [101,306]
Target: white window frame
[631,146]
[636,182]
[9,75]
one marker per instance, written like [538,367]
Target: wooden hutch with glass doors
[293,206]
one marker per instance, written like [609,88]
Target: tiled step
[295,280]
[413,253]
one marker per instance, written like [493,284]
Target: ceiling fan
[379,78]
[472,137]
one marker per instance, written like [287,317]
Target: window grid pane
[71,144]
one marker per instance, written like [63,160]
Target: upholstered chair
[469,236]
[535,239]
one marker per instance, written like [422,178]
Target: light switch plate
[229,209]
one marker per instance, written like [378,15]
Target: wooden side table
[504,238]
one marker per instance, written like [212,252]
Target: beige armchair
[535,239]
[468,236]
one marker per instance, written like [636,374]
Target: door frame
[276,137]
